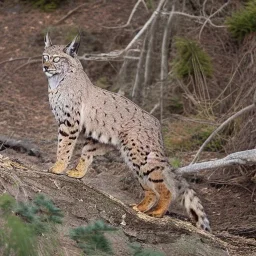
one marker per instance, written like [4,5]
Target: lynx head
[59,58]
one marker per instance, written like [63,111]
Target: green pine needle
[91,239]
[190,58]
[243,22]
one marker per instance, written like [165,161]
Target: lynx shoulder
[109,121]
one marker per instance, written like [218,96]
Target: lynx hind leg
[91,148]
[156,182]
[149,200]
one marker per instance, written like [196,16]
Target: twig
[203,9]
[18,59]
[164,60]
[69,13]
[130,17]
[27,63]
[209,18]
[148,61]
[146,25]
[137,90]
[194,17]
[237,158]
[114,55]
[242,111]
[154,108]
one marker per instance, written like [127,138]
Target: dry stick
[164,60]
[239,158]
[69,13]
[242,111]
[154,108]
[146,25]
[25,64]
[148,62]
[17,59]
[139,78]
[130,17]
[194,17]
[121,77]
[203,9]
[212,15]
[231,78]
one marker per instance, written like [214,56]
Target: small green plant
[190,59]
[16,237]
[41,214]
[23,223]
[91,239]
[21,226]
[46,5]
[139,251]
[175,162]
[243,22]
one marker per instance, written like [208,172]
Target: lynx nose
[45,68]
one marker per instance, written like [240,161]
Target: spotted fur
[108,121]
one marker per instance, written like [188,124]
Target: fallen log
[85,203]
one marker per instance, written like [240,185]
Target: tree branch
[238,158]
[209,18]
[130,17]
[146,25]
[242,111]
[164,60]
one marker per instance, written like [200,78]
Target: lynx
[108,121]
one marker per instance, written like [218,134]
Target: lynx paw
[58,167]
[74,173]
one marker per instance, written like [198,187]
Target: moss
[243,21]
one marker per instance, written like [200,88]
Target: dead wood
[86,203]
[19,146]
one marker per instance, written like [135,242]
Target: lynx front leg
[91,148]
[66,142]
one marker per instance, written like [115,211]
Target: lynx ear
[47,41]
[72,48]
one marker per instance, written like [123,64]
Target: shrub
[22,223]
[243,22]
[190,59]
[91,239]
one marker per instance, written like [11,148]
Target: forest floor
[228,195]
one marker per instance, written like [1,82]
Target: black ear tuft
[47,41]
[72,48]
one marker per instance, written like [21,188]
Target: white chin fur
[48,74]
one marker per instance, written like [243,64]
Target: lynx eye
[56,59]
[45,57]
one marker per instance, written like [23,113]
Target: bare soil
[228,194]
